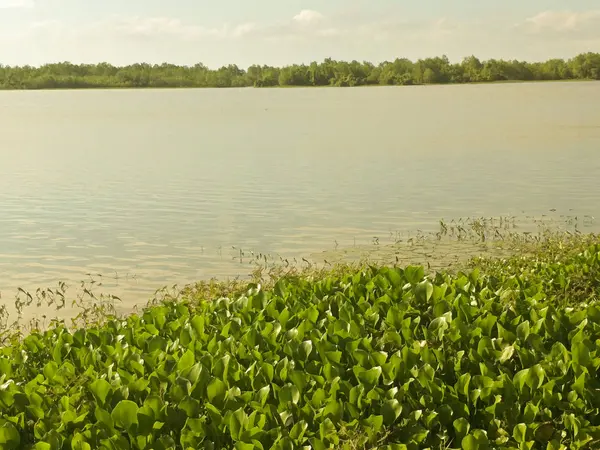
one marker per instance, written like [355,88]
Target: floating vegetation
[502,355]
[458,241]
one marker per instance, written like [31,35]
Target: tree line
[330,72]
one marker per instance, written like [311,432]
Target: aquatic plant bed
[505,356]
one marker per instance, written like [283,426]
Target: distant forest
[327,73]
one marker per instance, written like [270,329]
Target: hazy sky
[244,32]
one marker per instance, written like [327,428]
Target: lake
[165,186]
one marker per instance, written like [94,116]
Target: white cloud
[6,4]
[301,37]
[244,29]
[306,25]
[308,17]
[564,21]
[45,25]
[163,26]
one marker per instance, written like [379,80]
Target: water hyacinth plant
[504,355]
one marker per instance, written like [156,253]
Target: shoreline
[169,88]
[449,250]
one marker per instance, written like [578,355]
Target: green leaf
[506,354]
[334,410]
[125,414]
[535,377]
[103,417]
[216,390]
[9,436]
[580,353]
[327,430]
[298,430]
[438,326]
[469,443]
[477,440]
[46,446]
[100,389]
[186,361]
[197,323]
[462,427]
[191,406]
[414,274]
[317,444]
[520,432]
[390,411]
[50,370]
[289,394]
[462,385]
[555,445]
[5,367]
[196,425]
[530,412]
[262,395]
[237,423]
[523,331]
[424,291]
[371,376]
[394,277]
[79,443]
[544,432]
[305,350]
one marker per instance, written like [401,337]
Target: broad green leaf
[462,426]
[191,406]
[197,323]
[50,370]
[305,349]
[530,412]
[438,326]
[414,274]
[462,385]
[371,376]
[327,430]
[476,440]
[580,354]
[46,446]
[523,330]
[469,443]
[101,389]
[334,410]
[125,414]
[9,436]
[216,390]
[79,443]
[535,377]
[520,432]
[544,432]
[289,394]
[555,445]
[424,291]
[390,411]
[237,423]
[186,361]
[506,354]
[298,430]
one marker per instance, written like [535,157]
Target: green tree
[329,72]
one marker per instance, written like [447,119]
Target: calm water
[158,185]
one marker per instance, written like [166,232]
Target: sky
[280,32]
